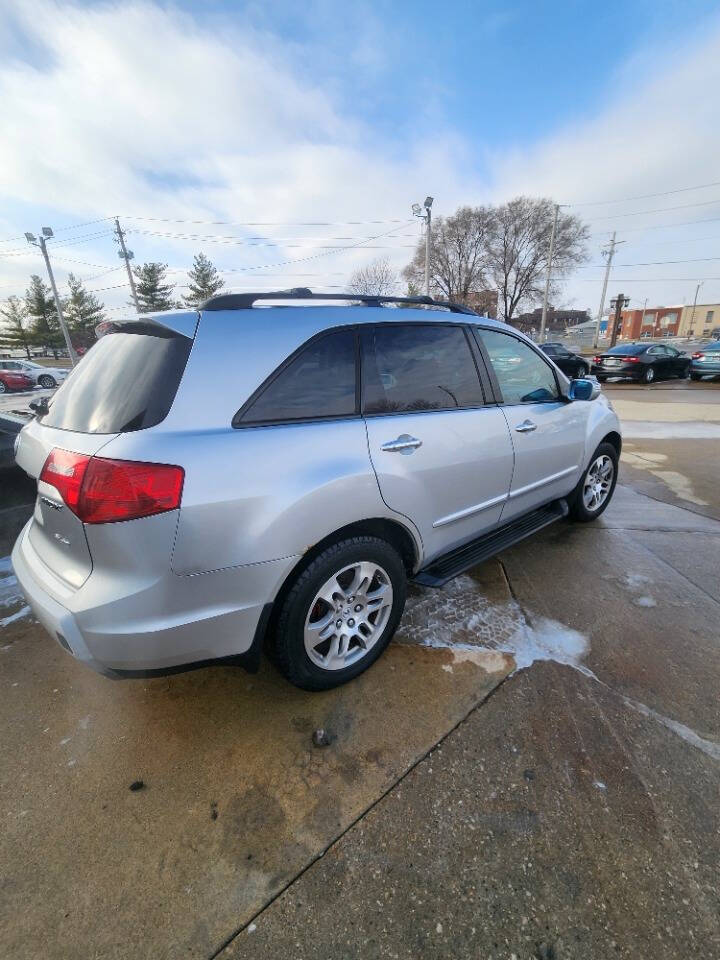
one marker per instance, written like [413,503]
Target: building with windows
[652,322]
[558,321]
[700,320]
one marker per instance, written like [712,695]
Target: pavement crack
[361,816]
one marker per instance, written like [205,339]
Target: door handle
[527,426]
[404,444]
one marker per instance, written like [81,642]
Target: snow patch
[10,594]
[679,430]
[645,601]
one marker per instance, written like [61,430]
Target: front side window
[524,377]
[408,368]
[318,383]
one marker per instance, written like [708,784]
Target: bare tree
[519,248]
[376,279]
[459,255]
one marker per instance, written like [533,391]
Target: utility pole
[642,316]
[427,218]
[692,317]
[127,256]
[40,242]
[618,303]
[610,253]
[549,272]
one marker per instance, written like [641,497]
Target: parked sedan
[706,362]
[644,362]
[12,380]
[46,377]
[570,363]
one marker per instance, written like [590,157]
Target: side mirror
[583,390]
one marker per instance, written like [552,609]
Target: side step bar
[457,561]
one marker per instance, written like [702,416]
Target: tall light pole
[609,254]
[427,217]
[692,316]
[543,321]
[127,256]
[40,242]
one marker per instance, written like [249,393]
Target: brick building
[653,322]
[558,321]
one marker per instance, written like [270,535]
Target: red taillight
[65,471]
[597,359]
[632,359]
[99,490]
[698,356]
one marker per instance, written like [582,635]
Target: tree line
[487,250]
[31,321]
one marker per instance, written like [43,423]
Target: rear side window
[127,381]
[316,384]
[418,367]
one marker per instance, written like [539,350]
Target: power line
[644,196]
[640,213]
[268,223]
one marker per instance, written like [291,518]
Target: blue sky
[273,115]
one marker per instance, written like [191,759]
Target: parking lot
[531,768]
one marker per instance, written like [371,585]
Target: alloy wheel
[598,483]
[348,615]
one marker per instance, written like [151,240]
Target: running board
[449,565]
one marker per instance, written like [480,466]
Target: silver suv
[212,482]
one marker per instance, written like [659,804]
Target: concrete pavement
[567,810]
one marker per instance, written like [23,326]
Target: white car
[47,377]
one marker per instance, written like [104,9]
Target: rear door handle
[527,426]
[404,444]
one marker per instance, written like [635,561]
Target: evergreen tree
[205,281]
[44,327]
[83,312]
[13,334]
[152,290]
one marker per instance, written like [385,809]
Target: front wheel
[340,613]
[695,376]
[46,381]
[596,486]
[3,388]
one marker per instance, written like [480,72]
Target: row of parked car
[26,374]
[643,362]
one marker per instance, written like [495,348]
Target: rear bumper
[630,372]
[174,624]
[705,369]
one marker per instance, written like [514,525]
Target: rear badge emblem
[64,540]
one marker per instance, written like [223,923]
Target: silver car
[46,377]
[214,482]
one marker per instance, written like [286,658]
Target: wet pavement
[569,809]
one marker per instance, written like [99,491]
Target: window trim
[485,387]
[499,399]
[236,423]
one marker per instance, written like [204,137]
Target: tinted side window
[318,383]
[420,367]
[524,377]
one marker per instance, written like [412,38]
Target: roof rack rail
[245,301]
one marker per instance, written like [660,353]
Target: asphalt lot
[464,808]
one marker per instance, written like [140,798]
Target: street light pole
[692,317]
[127,256]
[427,217]
[40,241]
[549,272]
[610,254]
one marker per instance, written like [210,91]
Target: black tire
[601,379]
[578,510]
[3,388]
[648,374]
[289,651]
[47,382]
[686,373]
[695,376]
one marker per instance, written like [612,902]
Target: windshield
[631,349]
[128,381]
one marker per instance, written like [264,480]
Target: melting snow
[10,594]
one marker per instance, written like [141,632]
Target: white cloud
[139,109]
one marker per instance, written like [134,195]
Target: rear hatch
[126,382]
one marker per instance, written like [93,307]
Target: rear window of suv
[126,382]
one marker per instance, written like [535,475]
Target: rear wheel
[340,613]
[46,381]
[3,388]
[695,376]
[596,486]
[649,375]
